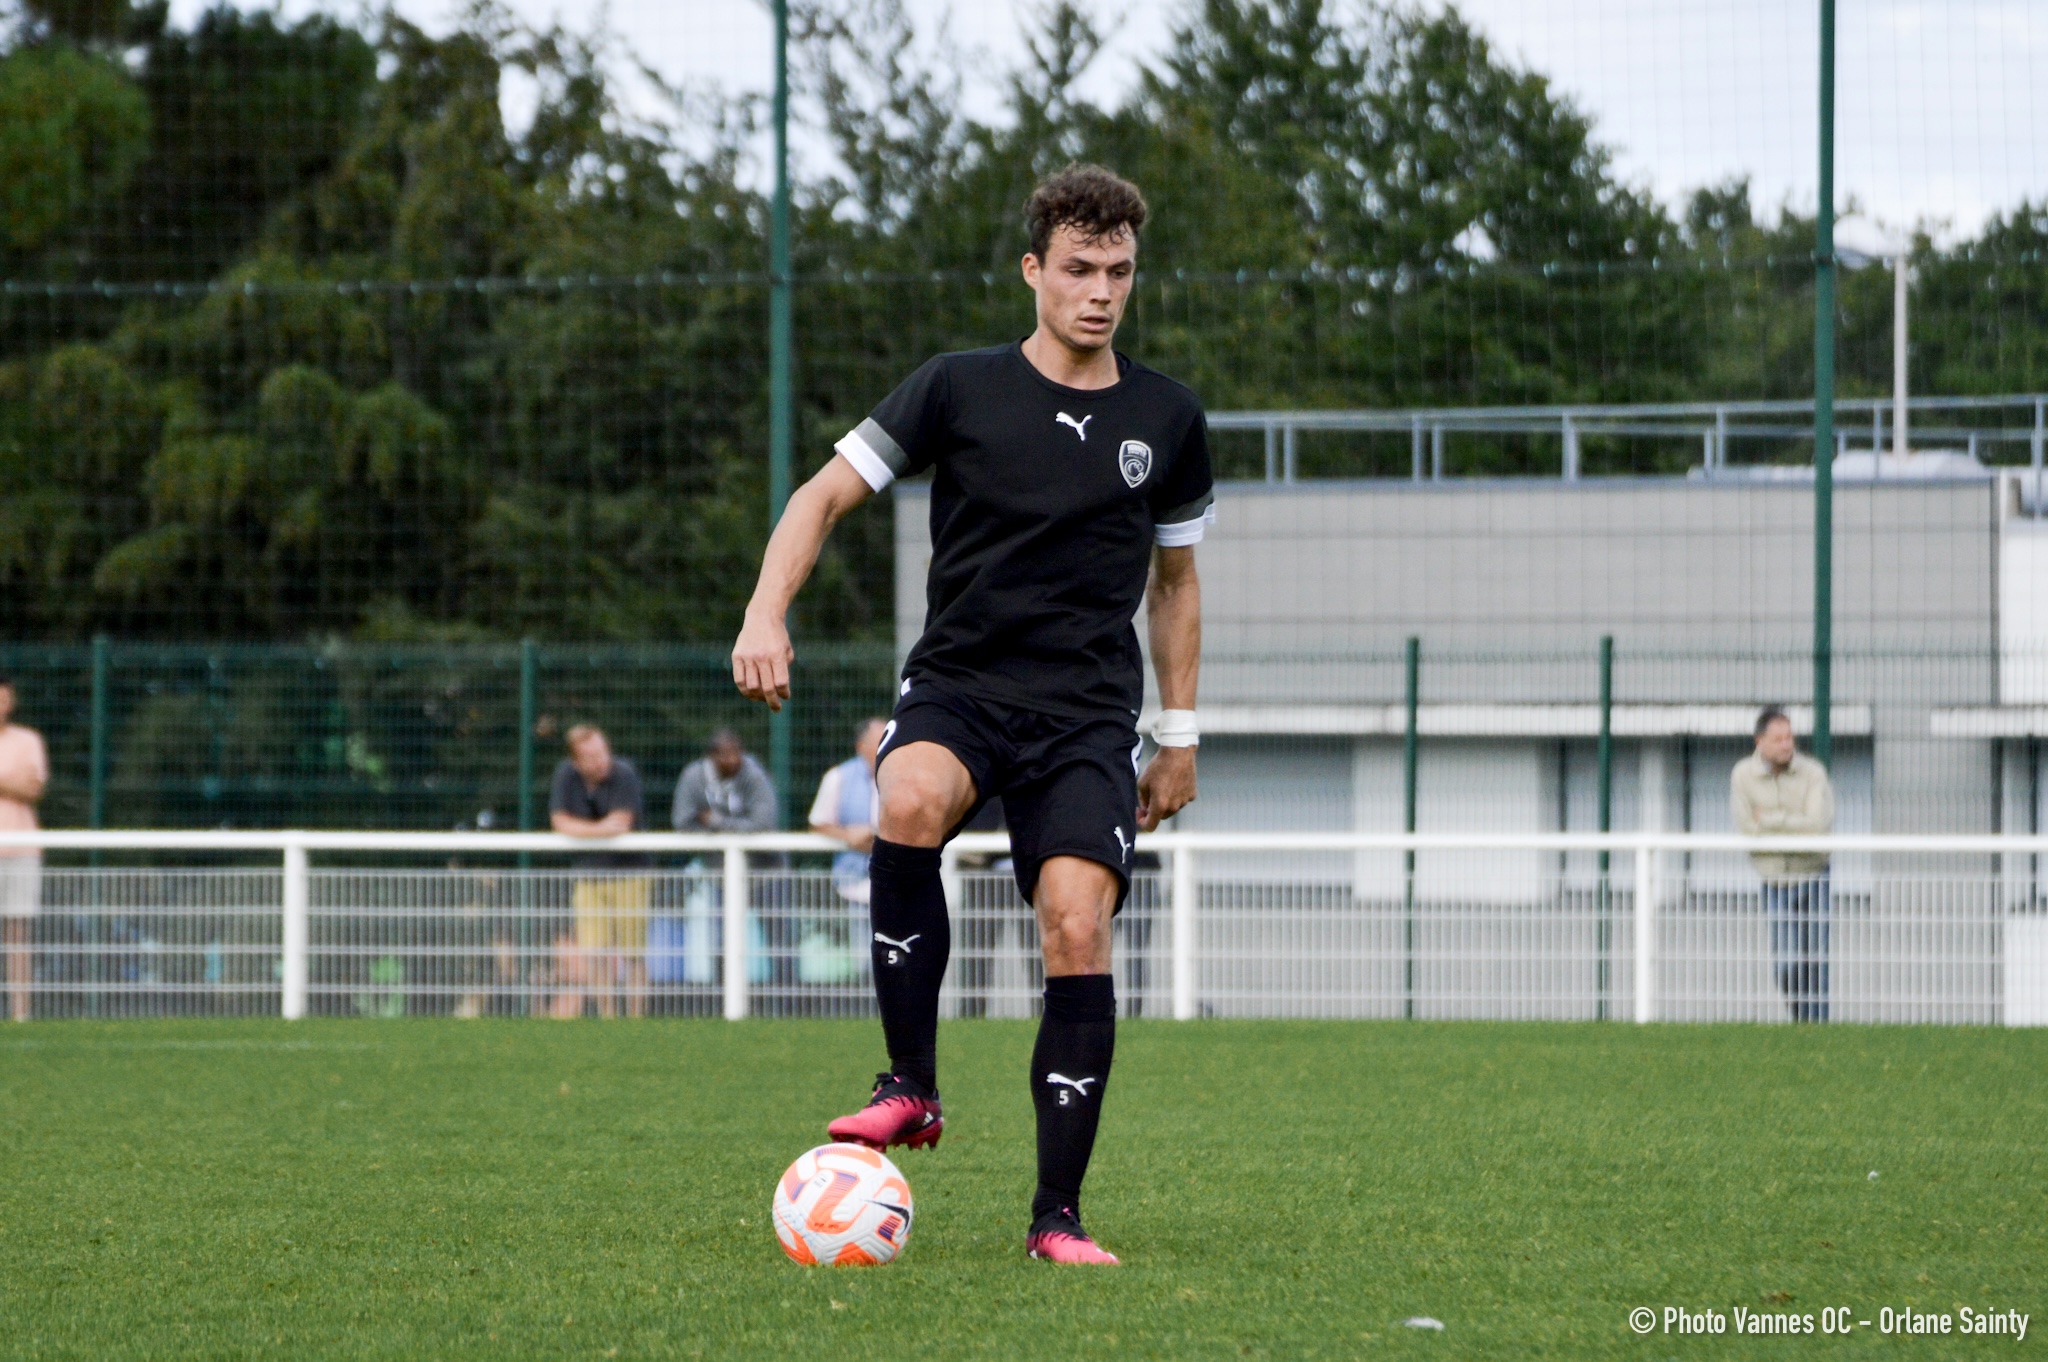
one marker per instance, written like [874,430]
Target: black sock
[1069,1070]
[907,905]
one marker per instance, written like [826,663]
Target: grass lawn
[439,1189]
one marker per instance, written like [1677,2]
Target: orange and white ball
[844,1205]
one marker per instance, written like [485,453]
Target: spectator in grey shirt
[725,790]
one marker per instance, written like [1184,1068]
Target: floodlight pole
[1824,405]
[781,363]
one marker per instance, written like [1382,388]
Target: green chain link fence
[266,736]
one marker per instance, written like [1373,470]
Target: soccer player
[1068,482]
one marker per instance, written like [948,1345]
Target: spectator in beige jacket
[1780,791]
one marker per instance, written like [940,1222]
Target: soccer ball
[842,1204]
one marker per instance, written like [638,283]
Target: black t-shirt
[1046,502]
[620,789]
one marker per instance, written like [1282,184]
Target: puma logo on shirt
[1080,426]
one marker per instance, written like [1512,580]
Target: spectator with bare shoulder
[24,772]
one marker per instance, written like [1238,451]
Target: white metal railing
[1977,424]
[1652,926]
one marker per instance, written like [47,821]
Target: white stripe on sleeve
[873,471]
[1185,533]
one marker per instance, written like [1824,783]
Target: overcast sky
[1940,105]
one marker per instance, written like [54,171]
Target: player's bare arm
[1173,618]
[761,657]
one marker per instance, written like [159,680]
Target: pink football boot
[901,1112]
[1059,1238]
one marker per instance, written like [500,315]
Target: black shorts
[1069,786]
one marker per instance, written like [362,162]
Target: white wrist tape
[1176,728]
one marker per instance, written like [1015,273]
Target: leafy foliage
[72,131]
[367,360]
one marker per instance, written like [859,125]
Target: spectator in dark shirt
[598,795]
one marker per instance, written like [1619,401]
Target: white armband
[1176,728]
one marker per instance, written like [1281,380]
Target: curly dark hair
[1095,202]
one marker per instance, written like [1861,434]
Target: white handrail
[296,849]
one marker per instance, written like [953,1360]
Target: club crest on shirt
[1134,460]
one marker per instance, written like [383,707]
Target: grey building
[1705,584]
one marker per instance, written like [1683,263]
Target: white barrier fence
[1641,926]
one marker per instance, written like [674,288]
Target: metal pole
[529,718]
[102,665]
[1604,929]
[735,934]
[102,669]
[1571,448]
[1902,274]
[1415,447]
[781,366]
[1290,454]
[297,904]
[1651,781]
[1183,910]
[1646,930]
[2034,820]
[2039,449]
[1824,406]
[781,441]
[97,816]
[1410,752]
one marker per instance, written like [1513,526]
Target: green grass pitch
[1285,1190]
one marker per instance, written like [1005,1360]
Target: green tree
[248,110]
[73,129]
[432,377]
